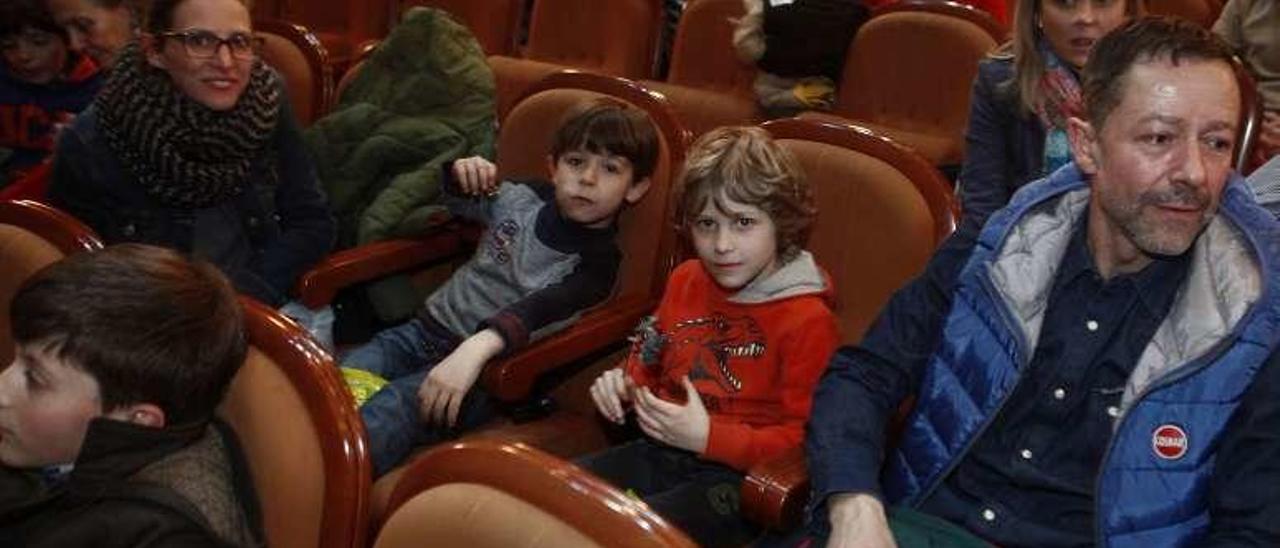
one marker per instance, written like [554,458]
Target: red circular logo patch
[1169,442]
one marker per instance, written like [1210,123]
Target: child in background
[42,85]
[548,254]
[722,377]
[107,433]
[799,47]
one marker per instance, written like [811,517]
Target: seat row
[708,85]
[885,209]
[925,107]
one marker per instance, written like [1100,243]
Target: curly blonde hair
[745,165]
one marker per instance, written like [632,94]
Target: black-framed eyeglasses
[203,44]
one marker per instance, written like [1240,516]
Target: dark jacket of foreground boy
[107,435]
[133,486]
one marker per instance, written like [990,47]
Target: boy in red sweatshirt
[722,376]
[42,86]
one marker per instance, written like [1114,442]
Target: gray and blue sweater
[533,271]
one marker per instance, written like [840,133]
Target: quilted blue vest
[1152,487]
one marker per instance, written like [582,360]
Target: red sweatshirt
[754,356]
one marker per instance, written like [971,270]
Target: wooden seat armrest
[512,378]
[775,492]
[317,287]
[364,49]
[65,232]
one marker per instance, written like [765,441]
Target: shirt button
[988,514]
[1113,411]
[1026,454]
[1059,393]
[1091,325]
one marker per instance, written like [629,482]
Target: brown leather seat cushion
[874,208]
[580,33]
[492,22]
[299,79]
[23,254]
[280,444]
[702,110]
[475,516]
[929,142]
[513,77]
[926,107]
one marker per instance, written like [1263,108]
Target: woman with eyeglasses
[1023,95]
[191,145]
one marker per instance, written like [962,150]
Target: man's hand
[858,520]
[444,388]
[609,391]
[685,426]
[476,176]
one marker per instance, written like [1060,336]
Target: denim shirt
[1035,476]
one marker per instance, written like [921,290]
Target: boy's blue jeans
[404,355]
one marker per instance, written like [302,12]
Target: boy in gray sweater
[548,253]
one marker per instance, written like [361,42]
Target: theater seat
[301,434]
[882,209]
[646,242]
[1200,12]
[708,85]
[926,107]
[32,236]
[357,63]
[523,143]
[303,62]
[580,34]
[487,493]
[1244,160]
[495,23]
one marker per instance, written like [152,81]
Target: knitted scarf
[1060,99]
[184,154]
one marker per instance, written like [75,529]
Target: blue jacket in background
[263,238]
[968,327]
[1004,146]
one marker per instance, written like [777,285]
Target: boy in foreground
[107,435]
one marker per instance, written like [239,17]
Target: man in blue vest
[1097,366]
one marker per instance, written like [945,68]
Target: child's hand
[441,393]
[476,176]
[685,426]
[609,391]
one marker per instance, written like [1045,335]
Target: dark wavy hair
[1141,40]
[611,126]
[148,324]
